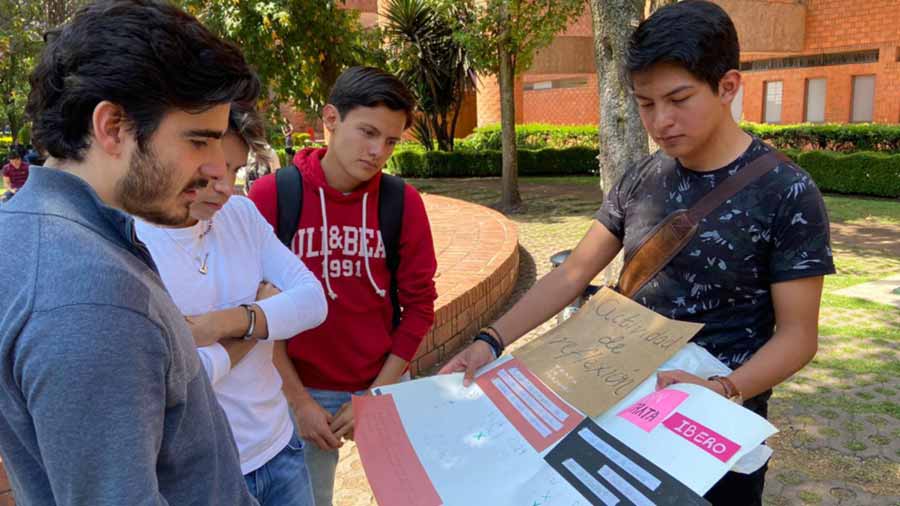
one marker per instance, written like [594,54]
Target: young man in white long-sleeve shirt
[222,267]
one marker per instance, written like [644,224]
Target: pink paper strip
[394,471]
[703,437]
[648,412]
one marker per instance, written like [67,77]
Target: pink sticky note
[648,412]
[703,437]
[394,471]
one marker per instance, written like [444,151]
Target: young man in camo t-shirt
[752,274]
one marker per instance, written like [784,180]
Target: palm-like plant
[432,63]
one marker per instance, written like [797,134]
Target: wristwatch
[731,391]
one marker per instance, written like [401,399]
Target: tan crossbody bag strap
[669,237]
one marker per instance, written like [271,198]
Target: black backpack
[289,187]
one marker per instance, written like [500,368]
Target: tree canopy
[298,47]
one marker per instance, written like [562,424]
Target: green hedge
[534,136]
[488,163]
[864,173]
[282,155]
[829,137]
[844,138]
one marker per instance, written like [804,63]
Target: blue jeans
[284,480]
[323,463]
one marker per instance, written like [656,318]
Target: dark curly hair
[696,34]
[146,56]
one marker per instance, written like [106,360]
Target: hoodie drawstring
[325,248]
[378,289]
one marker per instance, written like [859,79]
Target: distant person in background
[288,130]
[260,165]
[15,173]
[33,156]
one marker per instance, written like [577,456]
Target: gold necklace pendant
[198,242]
[203,269]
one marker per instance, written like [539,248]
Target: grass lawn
[862,210]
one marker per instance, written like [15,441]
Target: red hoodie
[347,352]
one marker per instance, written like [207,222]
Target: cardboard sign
[604,351]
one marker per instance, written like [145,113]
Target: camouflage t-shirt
[774,230]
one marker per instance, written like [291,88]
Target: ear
[729,86]
[330,117]
[109,128]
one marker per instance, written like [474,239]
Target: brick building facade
[815,60]
[848,68]
[818,60]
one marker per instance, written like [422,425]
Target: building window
[576,82]
[813,60]
[863,99]
[772,107]
[815,101]
[737,105]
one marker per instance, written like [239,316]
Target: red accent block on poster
[387,455]
[541,416]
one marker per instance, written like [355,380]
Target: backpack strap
[289,187]
[390,221]
[670,236]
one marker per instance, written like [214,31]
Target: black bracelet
[497,334]
[496,346]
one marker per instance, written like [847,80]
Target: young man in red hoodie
[339,239]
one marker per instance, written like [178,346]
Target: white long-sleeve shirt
[243,251]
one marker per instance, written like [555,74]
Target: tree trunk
[656,4]
[509,198]
[14,127]
[623,140]
[57,11]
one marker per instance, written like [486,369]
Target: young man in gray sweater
[102,397]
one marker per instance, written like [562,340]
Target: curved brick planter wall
[478,262]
